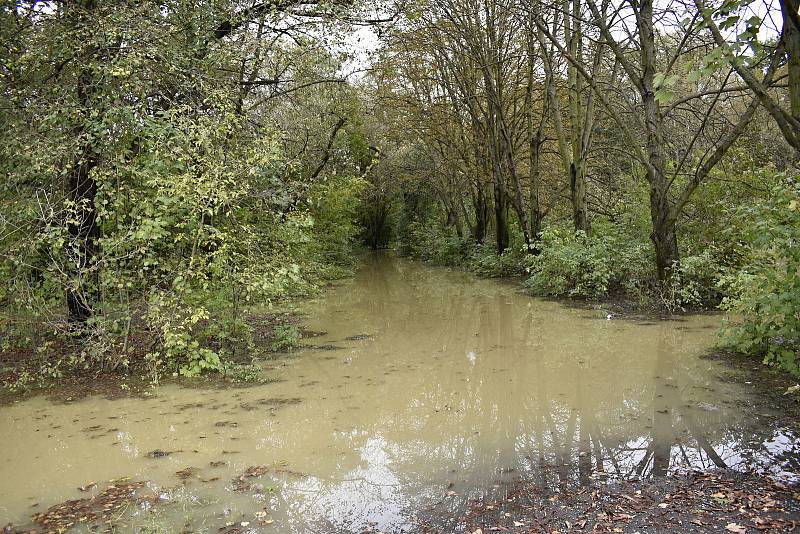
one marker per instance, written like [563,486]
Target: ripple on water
[459,385]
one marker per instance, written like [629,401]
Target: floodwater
[435,387]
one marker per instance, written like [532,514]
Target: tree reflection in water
[462,384]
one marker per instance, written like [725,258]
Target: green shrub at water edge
[285,337]
[430,242]
[485,261]
[572,264]
[764,308]
[695,282]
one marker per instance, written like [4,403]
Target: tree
[652,80]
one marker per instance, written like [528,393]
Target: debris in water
[240,483]
[102,507]
[232,424]
[273,402]
[326,346]
[187,473]
[358,337]
[158,453]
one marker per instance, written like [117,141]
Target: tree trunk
[500,217]
[663,235]
[534,145]
[82,227]
[536,216]
[481,215]
[791,40]
[577,110]
[84,232]
[577,186]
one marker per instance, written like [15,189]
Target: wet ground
[429,390]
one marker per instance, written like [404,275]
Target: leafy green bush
[695,282]
[430,242]
[485,261]
[334,204]
[576,265]
[764,301]
[285,337]
[179,349]
[243,373]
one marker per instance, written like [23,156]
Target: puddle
[435,387]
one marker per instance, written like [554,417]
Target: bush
[333,204]
[695,282]
[576,265]
[430,242]
[484,261]
[764,301]
[284,338]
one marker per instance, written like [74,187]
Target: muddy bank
[718,502]
[696,502]
[26,373]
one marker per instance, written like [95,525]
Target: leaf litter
[716,501]
[104,507]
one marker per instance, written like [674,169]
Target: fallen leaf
[734,527]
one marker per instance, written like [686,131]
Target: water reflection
[461,383]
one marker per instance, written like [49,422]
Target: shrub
[695,282]
[764,301]
[433,243]
[576,265]
[285,337]
[429,242]
[484,261]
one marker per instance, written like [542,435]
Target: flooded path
[436,386]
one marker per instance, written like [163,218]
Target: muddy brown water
[443,387]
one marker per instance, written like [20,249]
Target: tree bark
[577,187]
[663,236]
[84,232]
[82,226]
[791,41]
[481,214]
[500,216]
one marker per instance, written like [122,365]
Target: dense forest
[171,168]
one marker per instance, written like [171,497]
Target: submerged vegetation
[169,167]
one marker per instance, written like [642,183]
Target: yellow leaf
[734,527]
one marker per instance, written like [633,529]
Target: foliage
[285,337]
[244,373]
[168,166]
[764,306]
[431,243]
[334,205]
[572,264]
[484,260]
[695,282]
[166,194]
